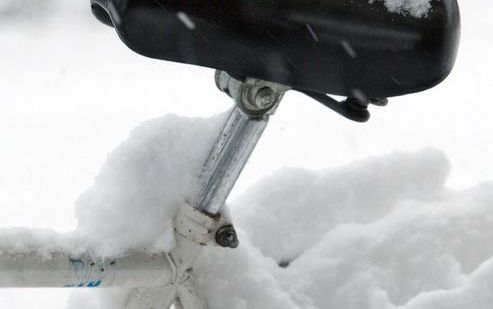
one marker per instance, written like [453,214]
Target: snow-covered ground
[401,230]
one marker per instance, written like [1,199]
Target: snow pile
[134,197]
[418,248]
[360,193]
[380,233]
[417,8]
[384,233]
[22,241]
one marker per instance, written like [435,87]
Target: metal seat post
[255,101]
[204,223]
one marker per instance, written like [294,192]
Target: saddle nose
[100,13]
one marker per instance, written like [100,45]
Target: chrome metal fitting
[255,97]
[226,237]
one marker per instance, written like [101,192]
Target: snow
[476,291]
[186,20]
[394,237]
[416,8]
[425,245]
[361,192]
[135,195]
[41,242]
[379,233]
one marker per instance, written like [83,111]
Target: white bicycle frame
[161,280]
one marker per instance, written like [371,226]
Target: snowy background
[395,213]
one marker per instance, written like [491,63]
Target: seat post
[229,155]
[203,222]
[255,101]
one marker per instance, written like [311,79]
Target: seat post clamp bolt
[226,237]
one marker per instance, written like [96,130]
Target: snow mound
[419,248]
[359,193]
[417,8]
[138,189]
[134,197]
[44,243]
[381,233]
[475,292]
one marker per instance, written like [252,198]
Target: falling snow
[186,20]
[349,49]
[312,32]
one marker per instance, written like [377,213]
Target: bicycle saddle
[319,47]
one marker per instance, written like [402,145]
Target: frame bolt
[265,97]
[226,237]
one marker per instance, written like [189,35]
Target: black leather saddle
[334,47]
